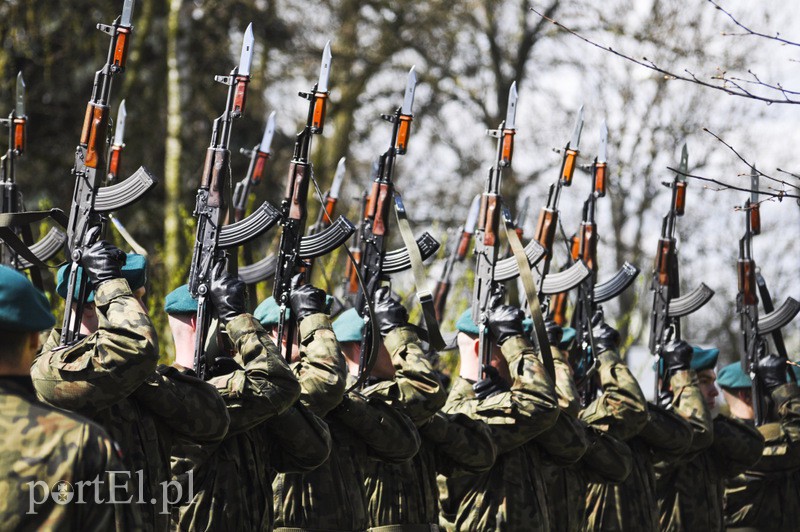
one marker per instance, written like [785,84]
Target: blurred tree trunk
[174,148]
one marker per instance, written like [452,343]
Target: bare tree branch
[779,195]
[748,31]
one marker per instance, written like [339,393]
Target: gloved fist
[606,338]
[389,312]
[504,322]
[102,262]
[772,371]
[228,295]
[677,356]
[490,385]
[305,299]
[222,365]
[554,332]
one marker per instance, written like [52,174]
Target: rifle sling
[526,276]
[12,219]
[10,238]
[425,296]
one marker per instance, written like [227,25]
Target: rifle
[12,201]
[458,251]
[90,201]
[351,282]
[327,209]
[753,328]
[376,265]
[294,211]
[668,306]
[213,239]
[258,160]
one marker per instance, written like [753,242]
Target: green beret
[567,337]
[465,324]
[704,358]
[733,377]
[134,271]
[527,326]
[349,326]
[180,302]
[268,312]
[22,306]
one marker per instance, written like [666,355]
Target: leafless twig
[779,195]
[748,31]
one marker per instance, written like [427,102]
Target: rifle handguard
[46,247]
[566,280]
[779,317]
[258,223]
[691,302]
[617,284]
[507,269]
[259,271]
[399,261]
[124,193]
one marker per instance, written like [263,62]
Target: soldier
[767,495]
[606,460]
[690,490]
[44,447]
[517,400]
[111,376]
[363,428]
[649,430]
[233,479]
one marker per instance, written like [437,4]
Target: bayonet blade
[602,156]
[20,107]
[337,179]
[576,133]
[119,129]
[754,175]
[325,69]
[246,59]
[511,111]
[522,213]
[408,100]
[127,13]
[684,166]
[472,216]
[269,131]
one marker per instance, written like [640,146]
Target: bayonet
[127,13]
[408,100]
[246,58]
[325,69]
[684,166]
[20,107]
[338,178]
[119,130]
[472,217]
[602,155]
[575,143]
[511,111]
[269,131]
[754,175]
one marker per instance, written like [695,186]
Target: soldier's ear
[476,347]
[193,322]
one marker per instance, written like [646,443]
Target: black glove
[228,295]
[389,313]
[102,262]
[222,365]
[606,338]
[677,356]
[554,332]
[491,384]
[772,371]
[504,322]
[306,299]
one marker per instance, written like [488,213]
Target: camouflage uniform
[363,427]
[233,479]
[511,495]
[648,430]
[767,495]
[690,489]
[50,445]
[110,376]
[605,458]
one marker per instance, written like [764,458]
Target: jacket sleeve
[416,389]
[301,440]
[621,409]
[108,365]
[737,446]
[264,387]
[566,441]
[568,396]
[461,444]
[668,434]
[607,459]
[515,417]
[190,407]
[688,402]
[782,438]
[388,433]
[322,370]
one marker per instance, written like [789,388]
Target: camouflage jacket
[596,456]
[111,377]
[767,495]
[363,428]
[511,495]
[43,446]
[231,480]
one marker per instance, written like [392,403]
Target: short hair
[12,342]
